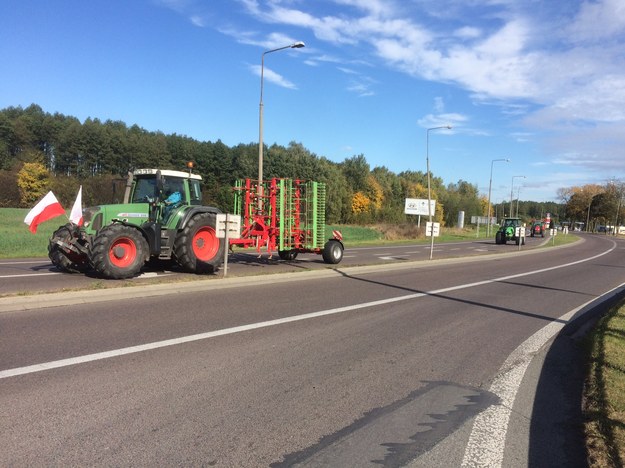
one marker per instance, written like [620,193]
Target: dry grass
[393,232]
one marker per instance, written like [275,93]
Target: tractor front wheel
[61,254]
[332,252]
[197,248]
[119,252]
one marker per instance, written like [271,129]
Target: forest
[40,151]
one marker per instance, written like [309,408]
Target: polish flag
[48,208]
[76,214]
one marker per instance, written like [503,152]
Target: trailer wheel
[119,251]
[287,254]
[332,252]
[197,248]
[62,258]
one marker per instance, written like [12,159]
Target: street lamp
[490,186]
[296,45]
[427,160]
[511,191]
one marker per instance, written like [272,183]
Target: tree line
[40,151]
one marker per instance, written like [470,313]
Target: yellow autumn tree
[33,181]
[375,193]
[360,203]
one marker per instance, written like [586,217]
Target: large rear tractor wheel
[119,252]
[197,248]
[64,254]
[332,252]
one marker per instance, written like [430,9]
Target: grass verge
[604,393]
[16,241]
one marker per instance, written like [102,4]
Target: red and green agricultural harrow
[285,216]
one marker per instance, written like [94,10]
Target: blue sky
[540,82]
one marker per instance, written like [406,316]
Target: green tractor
[510,230]
[161,218]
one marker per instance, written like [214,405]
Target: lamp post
[296,45]
[511,191]
[427,161]
[490,186]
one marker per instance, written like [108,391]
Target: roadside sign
[432,229]
[233,224]
[419,206]
[483,220]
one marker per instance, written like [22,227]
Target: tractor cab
[153,185]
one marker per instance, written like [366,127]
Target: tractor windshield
[512,222]
[145,190]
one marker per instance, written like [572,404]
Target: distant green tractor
[510,230]
[161,218]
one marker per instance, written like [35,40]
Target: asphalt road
[442,363]
[28,275]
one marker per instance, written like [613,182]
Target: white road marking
[270,323]
[31,274]
[30,262]
[487,440]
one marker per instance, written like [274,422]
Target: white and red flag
[48,208]
[75,215]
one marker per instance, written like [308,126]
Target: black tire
[288,255]
[62,258]
[197,249]
[119,252]
[499,238]
[332,252]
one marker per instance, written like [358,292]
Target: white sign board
[432,228]
[483,220]
[419,206]
[230,222]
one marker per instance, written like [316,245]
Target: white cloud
[468,32]
[598,20]
[273,77]
[558,66]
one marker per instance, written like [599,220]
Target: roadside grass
[17,241]
[604,392]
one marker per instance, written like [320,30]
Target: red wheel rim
[205,244]
[123,252]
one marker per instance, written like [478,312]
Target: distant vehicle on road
[538,229]
[510,230]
